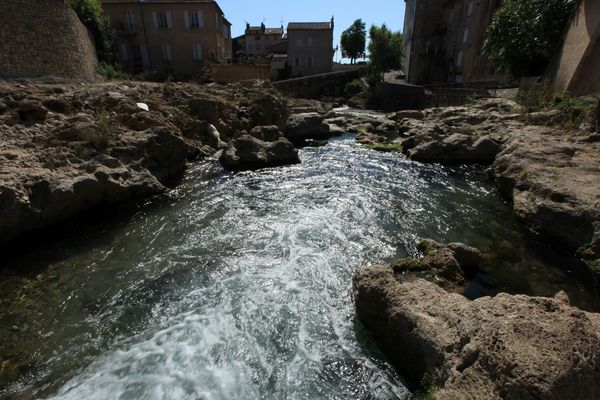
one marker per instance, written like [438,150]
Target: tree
[90,14]
[354,40]
[525,34]
[386,49]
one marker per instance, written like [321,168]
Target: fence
[459,93]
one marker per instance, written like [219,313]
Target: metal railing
[459,93]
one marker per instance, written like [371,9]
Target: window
[130,24]
[197,51]
[194,19]
[297,61]
[162,20]
[470,9]
[310,41]
[299,42]
[309,61]
[124,53]
[167,52]
[466,35]
[459,59]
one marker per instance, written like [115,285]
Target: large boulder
[457,149]
[250,153]
[509,347]
[306,126]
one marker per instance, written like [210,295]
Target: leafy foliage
[386,49]
[525,34]
[90,14]
[354,40]
[353,88]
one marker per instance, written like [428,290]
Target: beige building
[310,47]
[578,67]
[179,37]
[443,41]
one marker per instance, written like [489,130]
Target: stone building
[44,38]
[259,40]
[578,68]
[443,41]
[310,47]
[179,37]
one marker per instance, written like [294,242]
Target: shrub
[353,88]
[109,71]
[90,14]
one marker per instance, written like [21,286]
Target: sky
[274,12]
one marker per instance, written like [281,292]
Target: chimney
[332,22]
[263,27]
[247,25]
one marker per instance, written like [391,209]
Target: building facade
[179,37]
[259,40]
[310,47]
[443,41]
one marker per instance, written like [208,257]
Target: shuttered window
[197,51]
[162,20]
[167,52]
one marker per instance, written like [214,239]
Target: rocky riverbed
[69,150]
[545,165]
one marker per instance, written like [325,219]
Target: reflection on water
[238,286]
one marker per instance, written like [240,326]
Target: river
[238,286]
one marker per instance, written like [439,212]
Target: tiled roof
[309,25]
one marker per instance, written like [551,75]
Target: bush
[90,14]
[353,88]
[109,71]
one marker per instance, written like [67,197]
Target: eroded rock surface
[65,149]
[264,147]
[506,348]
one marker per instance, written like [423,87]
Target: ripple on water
[239,286]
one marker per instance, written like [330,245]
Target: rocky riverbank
[547,165]
[67,149]
[503,347]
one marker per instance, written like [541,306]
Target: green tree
[90,14]
[354,40]
[386,49]
[525,34]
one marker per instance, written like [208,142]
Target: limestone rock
[67,149]
[301,127]
[502,348]
[250,153]
[457,149]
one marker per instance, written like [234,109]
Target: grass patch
[429,389]
[98,136]
[575,110]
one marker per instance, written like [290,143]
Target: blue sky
[273,12]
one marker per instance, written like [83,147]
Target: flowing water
[238,286]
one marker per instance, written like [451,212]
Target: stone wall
[44,38]
[225,73]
